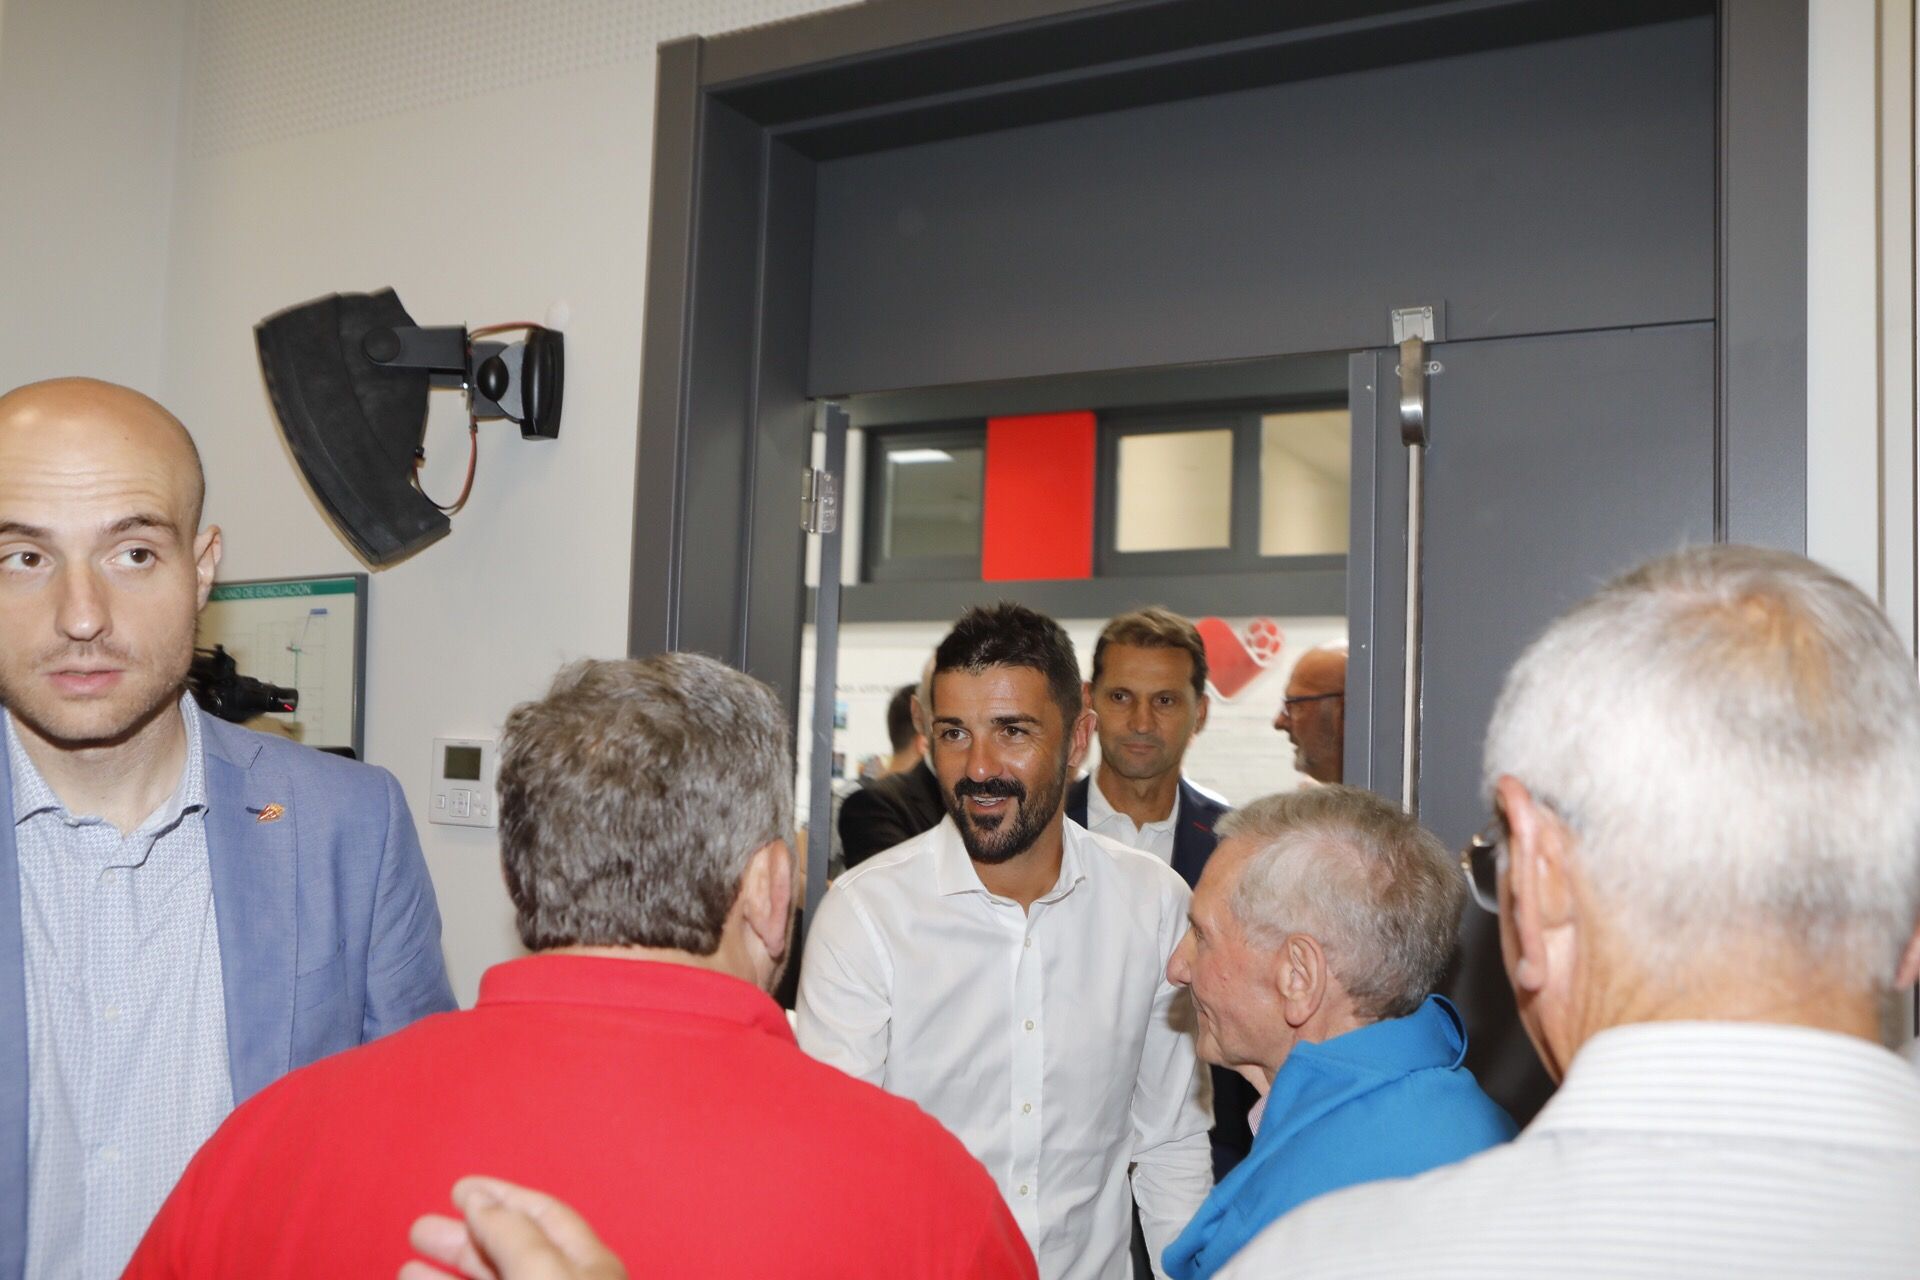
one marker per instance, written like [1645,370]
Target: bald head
[103,565]
[1314,713]
[1321,670]
[84,417]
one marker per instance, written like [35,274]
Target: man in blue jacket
[1321,924]
[188,910]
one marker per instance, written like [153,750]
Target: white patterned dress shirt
[127,1069]
[1673,1149]
[1049,1041]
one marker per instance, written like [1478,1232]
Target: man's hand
[509,1233]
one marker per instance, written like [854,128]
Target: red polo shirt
[669,1104]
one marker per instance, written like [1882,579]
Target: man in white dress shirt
[1706,863]
[1006,970]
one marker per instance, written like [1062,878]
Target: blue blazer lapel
[1193,837]
[253,865]
[13,1044]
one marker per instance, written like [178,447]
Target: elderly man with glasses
[1706,864]
[1317,932]
[1313,713]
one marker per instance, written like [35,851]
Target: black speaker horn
[348,375]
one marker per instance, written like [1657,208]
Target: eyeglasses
[1309,697]
[1480,864]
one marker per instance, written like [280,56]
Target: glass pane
[1305,479]
[1175,491]
[933,497]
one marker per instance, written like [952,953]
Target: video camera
[223,692]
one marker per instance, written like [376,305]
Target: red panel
[1038,521]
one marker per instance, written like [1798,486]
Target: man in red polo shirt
[634,1067]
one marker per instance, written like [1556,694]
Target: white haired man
[1320,925]
[1706,862]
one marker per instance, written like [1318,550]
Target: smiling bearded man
[1082,1064]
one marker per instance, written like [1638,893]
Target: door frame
[743,120]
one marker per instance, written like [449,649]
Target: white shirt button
[1024,1188]
[110,1154]
[1026,1108]
[1028,943]
[1029,1024]
[111,1013]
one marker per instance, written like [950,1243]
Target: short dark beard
[1004,842]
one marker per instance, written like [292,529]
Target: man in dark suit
[894,809]
[1149,692]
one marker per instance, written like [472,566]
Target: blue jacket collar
[1431,1036]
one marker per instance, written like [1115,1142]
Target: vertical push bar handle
[1413,329]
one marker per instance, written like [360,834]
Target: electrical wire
[473,461]
[473,427]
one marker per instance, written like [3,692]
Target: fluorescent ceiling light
[905,456]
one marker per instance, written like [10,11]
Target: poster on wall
[305,634]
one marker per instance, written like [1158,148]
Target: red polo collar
[643,985]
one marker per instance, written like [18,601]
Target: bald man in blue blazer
[188,909]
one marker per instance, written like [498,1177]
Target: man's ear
[1200,721]
[1301,978]
[766,897]
[1536,893]
[1909,962]
[1083,726]
[207,549]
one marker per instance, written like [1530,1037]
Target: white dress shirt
[1049,1041]
[1103,819]
[1673,1149]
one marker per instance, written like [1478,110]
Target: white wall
[346,146]
[89,108]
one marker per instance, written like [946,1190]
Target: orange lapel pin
[272,813]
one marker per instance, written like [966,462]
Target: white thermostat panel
[463,783]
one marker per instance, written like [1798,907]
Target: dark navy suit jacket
[329,933]
[1193,842]
[1193,837]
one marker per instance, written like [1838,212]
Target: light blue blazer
[329,934]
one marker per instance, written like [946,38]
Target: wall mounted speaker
[349,374]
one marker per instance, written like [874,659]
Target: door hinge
[819,501]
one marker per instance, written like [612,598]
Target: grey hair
[1378,891]
[1733,737]
[632,796]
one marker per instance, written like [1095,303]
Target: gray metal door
[1554,463]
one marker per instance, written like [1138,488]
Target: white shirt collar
[1100,810]
[954,872]
[33,795]
[1737,1080]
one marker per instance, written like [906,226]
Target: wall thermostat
[463,783]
